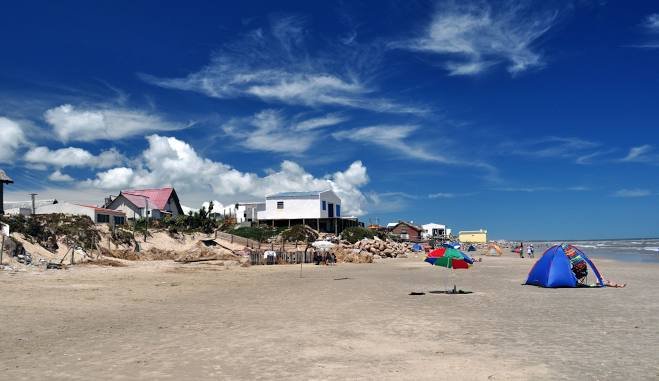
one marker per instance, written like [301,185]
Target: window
[324,205]
[102,218]
[338,210]
[119,220]
[280,205]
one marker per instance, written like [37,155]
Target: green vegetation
[300,233]
[257,233]
[192,222]
[46,229]
[357,233]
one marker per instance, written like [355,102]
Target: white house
[433,230]
[298,205]
[318,209]
[244,211]
[98,215]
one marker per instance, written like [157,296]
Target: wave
[651,248]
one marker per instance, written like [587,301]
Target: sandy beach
[162,320]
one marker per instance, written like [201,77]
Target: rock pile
[379,248]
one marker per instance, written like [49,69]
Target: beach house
[318,209]
[406,231]
[473,236]
[243,212]
[96,214]
[135,203]
[433,230]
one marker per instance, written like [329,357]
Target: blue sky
[530,119]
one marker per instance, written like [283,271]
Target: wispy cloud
[641,154]
[472,37]
[270,131]
[580,150]
[577,188]
[396,138]
[450,195]
[631,193]
[104,123]
[275,65]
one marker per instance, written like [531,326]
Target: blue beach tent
[417,247]
[554,268]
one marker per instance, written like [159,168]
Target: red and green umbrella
[449,258]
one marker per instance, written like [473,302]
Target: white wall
[300,207]
[294,208]
[428,228]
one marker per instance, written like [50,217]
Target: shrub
[357,233]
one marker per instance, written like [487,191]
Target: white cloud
[60,177]
[170,161]
[71,123]
[274,65]
[641,154]
[13,138]
[268,130]
[395,138]
[632,193]
[73,157]
[474,36]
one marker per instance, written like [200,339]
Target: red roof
[158,198]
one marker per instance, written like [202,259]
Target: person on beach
[521,249]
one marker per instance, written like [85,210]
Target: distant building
[433,230]
[161,202]
[473,236]
[243,211]
[318,209]
[98,215]
[407,231]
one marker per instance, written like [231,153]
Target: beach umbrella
[449,258]
[323,245]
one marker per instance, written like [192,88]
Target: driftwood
[192,260]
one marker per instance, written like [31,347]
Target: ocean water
[637,250]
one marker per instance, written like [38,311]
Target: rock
[375,256]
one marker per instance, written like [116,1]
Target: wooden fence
[281,258]
[238,239]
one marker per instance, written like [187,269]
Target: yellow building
[475,236]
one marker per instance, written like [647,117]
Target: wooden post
[2,248]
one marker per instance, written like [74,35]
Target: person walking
[532,252]
[521,249]
[529,251]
